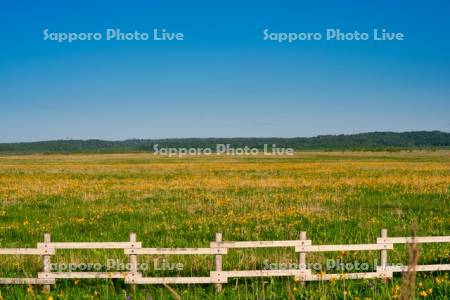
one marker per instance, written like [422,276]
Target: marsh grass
[171,202]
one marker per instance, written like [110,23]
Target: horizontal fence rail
[218,248]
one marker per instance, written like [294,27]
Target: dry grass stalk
[409,277]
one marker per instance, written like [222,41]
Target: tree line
[372,141]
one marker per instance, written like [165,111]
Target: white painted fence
[218,248]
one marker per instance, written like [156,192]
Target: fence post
[218,262]
[302,256]
[47,261]
[384,254]
[133,260]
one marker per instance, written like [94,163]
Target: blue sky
[223,80]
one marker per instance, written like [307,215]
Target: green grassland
[336,197]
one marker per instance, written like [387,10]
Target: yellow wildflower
[423,293]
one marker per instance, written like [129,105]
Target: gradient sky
[223,80]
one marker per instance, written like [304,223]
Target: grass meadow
[336,197]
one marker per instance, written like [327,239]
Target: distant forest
[373,141]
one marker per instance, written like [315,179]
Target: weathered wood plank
[410,240]
[260,244]
[419,268]
[26,281]
[354,247]
[90,245]
[342,276]
[176,251]
[168,280]
[264,273]
[26,251]
[82,275]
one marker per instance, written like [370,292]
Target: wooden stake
[302,255]
[47,262]
[384,255]
[218,262]
[133,260]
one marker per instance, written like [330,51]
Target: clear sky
[223,79]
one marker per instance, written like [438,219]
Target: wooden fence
[219,248]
